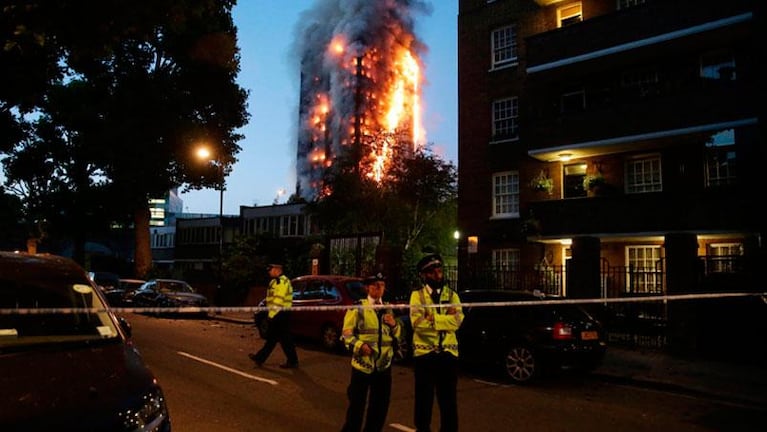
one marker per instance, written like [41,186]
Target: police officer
[279,299]
[435,346]
[369,333]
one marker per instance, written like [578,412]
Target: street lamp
[204,154]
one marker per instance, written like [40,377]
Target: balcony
[659,212]
[647,22]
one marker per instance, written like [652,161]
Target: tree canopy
[110,98]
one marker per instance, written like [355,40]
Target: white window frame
[505,195]
[504,49]
[723,250]
[642,260]
[644,174]
[505,121]
[569,14]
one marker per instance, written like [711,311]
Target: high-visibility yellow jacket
[363,326]
[437,334]
[279,295]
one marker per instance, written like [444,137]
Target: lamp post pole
[220,232]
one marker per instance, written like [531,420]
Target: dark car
[109,284]
[128,287]
[323,326]
[522,342]
[168,293]
[65,369]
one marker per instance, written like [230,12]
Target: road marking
[401,427]
[490,383]
[228,369]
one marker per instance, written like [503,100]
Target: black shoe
[255,359]
[289,366]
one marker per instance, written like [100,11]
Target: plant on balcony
[593,181]
[542,183]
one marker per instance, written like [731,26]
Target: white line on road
[401,427]
[228,369]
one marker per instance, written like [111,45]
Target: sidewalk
[730,382]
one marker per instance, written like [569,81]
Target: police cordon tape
[254,309]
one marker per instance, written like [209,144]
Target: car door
[297,317]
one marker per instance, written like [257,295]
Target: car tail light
[562,331]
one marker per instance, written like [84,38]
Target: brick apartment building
[611,148]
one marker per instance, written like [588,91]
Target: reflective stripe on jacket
[279,295]
[437,335]
[362,326]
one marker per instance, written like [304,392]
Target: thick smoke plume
[353,56]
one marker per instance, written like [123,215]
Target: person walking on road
[370,333]
[279,299]
[435,346]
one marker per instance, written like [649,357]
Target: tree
[414,207]
[166,72]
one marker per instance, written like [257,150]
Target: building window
[643,268]
[717,66]
[506,267]
[724,257]
[573,101]
[505,117]
[643,175]
[506,194]
[573,176]
[624,4]
[570,14]
[641,83]
[504,44]
[721,159]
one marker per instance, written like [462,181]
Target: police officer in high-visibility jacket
[279,299]
[370,331]
[435,346]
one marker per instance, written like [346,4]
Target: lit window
[504,41]
[569,14]
[643,269]
[724,257]
[505,117]
[506,194]
[643,175]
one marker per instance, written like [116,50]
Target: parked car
[525,342]
[324,326]
[128,287]
[109,284]
[168,293]
[69,370]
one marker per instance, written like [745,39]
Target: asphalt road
[212,386]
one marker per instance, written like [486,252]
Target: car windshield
[62,321]
[174,287]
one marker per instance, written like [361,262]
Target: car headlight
[150,416]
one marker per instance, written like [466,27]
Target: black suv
[521,341]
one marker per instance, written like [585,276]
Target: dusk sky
[269,72]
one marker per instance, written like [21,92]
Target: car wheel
[330,337]
[519,364]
